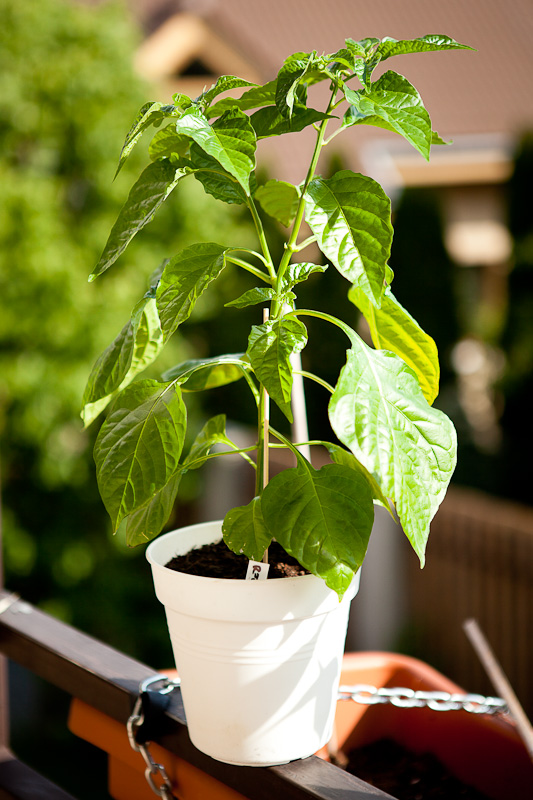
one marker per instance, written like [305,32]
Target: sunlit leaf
[321,517]
[350,216]
[139,445]
[212,433]
[299,271]
[253,98]
[167,143]
[231,142]
[224,84]
[393,47]
[270,347]
[269,122]
[150,114]
[394,104]
[379,412]
[244,530]
[393,328]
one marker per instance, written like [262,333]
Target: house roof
[467,93]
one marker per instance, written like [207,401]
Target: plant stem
[291,245]
[264,422]
[239,262]
[262,238]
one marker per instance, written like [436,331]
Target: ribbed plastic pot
[259,661]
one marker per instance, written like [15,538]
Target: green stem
[238,450]
[262,238]
[291,246]
[316,379]
[254,270]
[307,312]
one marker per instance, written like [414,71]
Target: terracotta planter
[481,750]
[484,751]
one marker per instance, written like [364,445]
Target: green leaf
[394,104]
[139,445]
[150,114]
[347,459]
[224,84]
[231,142]
[358,49]
[148,521]
[269,122]
[198,374]
[136,346]
[252,297]
[279,199]
[289,78]
[253,98]
[393,47]
[393,328]
[270,347]
[298,272]
[184,279]
[379,412]
[216,180]
[437,139]
[244,530]
[350,216]
[323,518]
[146,196]
[167,143]
[212,433]
[344,58]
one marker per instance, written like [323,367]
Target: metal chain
[408,698]
[153,769]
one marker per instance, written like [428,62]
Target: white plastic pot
[259,660]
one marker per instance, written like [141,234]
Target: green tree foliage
[67,86]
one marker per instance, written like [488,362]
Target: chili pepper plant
[390,445]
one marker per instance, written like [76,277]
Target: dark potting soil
[407,776]
[217,561]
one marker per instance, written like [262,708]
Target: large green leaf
[350,216]
[394,104]
[146,196]
[379,412]
[136,346]
[148,521]
[231,142]
[279,199]
[198,374]
[244,530]
[393,328]
[139,445]
[270,347]
[323,518]
[184,279]
[269,122]
[393,47]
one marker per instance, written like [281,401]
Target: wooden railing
[108,680]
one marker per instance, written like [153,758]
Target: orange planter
[481,750]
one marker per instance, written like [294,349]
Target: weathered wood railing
[108,680]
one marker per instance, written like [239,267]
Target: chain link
[153,769]
[409,698]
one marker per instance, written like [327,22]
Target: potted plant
[395,448]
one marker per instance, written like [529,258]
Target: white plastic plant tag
[257,571]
